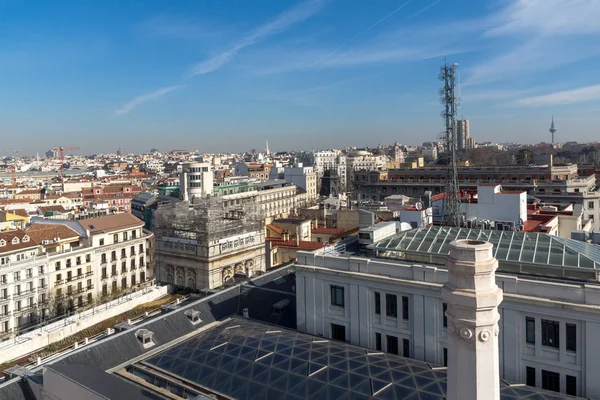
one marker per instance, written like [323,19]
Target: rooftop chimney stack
[472,299]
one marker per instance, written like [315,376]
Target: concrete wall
[347,219]
[39,338]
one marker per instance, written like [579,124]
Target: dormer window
[2,242]
[25,239]
[15,240]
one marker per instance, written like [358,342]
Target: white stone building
[196,180]
[53,268]
[549,321]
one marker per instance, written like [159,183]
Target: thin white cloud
[579,95]
[537,35]
[295,15]
[131,105]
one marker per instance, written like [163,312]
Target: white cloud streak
[353,39]
[293,16]
[131,105]
[579,95]
[537,36]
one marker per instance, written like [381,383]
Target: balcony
[34,261]
[89,273]
[104,277]
[23,293]
[89,287]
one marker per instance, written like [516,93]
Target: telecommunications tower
[450,101]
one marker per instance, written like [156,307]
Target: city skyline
[302,74]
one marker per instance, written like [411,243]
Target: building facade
[547,329]
[54,268]
[203,245]
[552,184]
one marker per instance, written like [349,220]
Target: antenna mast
[450,102]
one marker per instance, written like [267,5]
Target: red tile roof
[9,246]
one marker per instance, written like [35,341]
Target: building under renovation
[204,243]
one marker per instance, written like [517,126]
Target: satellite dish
[419,206]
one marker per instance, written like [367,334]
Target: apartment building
[117,196]
[390,301]
[53,267]
[23,281]
[550,183]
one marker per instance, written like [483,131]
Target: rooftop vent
[193,316]
[145,337]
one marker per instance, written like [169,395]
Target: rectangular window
[392,344]
[391,305]
[405,308]
[571,388]
[338,332]
[571,337]
[377,303]
[550,381]
[590,205]
[444,318]
[445,357]
[530,378]
[530,330]
[550,333]
[406,347]
[101,242]
[337,295]
[378,341]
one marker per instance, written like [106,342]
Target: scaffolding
[208,218]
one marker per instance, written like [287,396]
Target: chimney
[472,299]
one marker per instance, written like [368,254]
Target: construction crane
[61,152]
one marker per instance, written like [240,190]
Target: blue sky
[224,75]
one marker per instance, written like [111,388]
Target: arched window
[169,278]
[191,284]
[179,280]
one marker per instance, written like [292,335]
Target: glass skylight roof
[509,246]
[244,359]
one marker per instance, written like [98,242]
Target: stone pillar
[472,298]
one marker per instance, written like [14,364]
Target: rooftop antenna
[450,101]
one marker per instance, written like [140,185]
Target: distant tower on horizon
[552,129]
[267,152]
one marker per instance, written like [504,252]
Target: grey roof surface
[106,385]
[122,347]
[246,359]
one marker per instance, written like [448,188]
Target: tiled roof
[57,208]
[40,232]
[111,223]
[8,237]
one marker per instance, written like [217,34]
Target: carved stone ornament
[451,328]
[466,333]
[484,336]
[496,330]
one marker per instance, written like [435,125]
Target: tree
[524,157]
